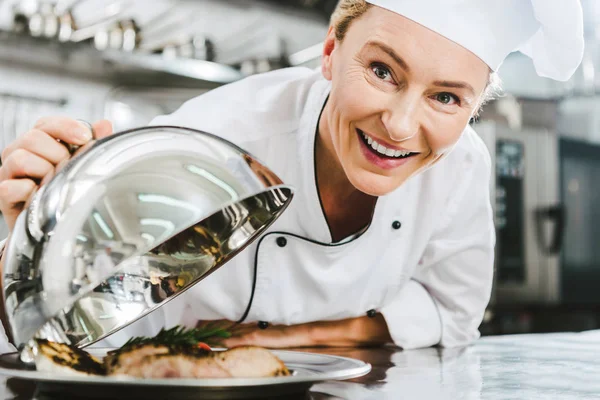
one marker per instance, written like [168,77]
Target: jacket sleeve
[5,345]
[444,301]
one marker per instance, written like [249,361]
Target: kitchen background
[130,60]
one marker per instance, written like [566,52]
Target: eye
[447,98]
[382,72]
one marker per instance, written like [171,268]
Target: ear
[329,45]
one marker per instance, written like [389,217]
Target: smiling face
[400,98]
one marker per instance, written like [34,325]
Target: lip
[380,162]
[383,142]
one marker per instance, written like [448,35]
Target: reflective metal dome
[130,222]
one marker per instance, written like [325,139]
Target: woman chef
[390,237]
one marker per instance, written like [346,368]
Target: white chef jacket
[430,278]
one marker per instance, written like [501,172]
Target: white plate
[307,369]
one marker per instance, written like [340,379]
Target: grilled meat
[189,362]
[175,363]
[64,359]
[172,353]
[250,362]
[124,359]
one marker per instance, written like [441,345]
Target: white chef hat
[550,32]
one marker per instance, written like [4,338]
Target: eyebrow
[390,52]
[455,85]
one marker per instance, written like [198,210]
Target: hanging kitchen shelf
[118,67]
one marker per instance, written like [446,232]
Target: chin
[375,184]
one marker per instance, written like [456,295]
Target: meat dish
[175,353]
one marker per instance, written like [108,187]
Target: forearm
[354,332]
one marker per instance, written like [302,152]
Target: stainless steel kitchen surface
[551,366]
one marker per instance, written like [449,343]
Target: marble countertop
[548,366]
[543,366]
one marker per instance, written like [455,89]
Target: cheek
[445,133]
[354,97]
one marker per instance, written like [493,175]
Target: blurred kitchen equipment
[56,20]
[110,15]
[21,12]
[529,213]
[323,7]
[189,46]
[278,58]
[66,20]
[160,38]
[200,70]
[580,192]
[18,112]
[129,35]
[122,35]
[130,31]
[20,22]
[167,205]
[44,23]
[52,20]
[114,67]
[309,57]
[261,65]
[159,26]
[253,41]
[128,107]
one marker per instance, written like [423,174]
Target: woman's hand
[35,154]
[353,332]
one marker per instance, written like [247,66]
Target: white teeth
[384,150]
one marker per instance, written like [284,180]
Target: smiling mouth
[382,151]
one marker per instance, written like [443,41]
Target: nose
[401,117]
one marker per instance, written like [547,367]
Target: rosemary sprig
[179,336]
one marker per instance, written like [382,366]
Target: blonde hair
[349,10]
[346,12]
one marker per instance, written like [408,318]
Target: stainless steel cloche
[130,222]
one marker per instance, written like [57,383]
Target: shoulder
[469,150]
[467,164]
[251,109]
[462,175]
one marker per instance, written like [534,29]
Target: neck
[346,209]
[331,176]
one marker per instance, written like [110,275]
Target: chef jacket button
[371,313]
[281,241]
[263,324]
[396,224]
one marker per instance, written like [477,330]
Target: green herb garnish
[180,336]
